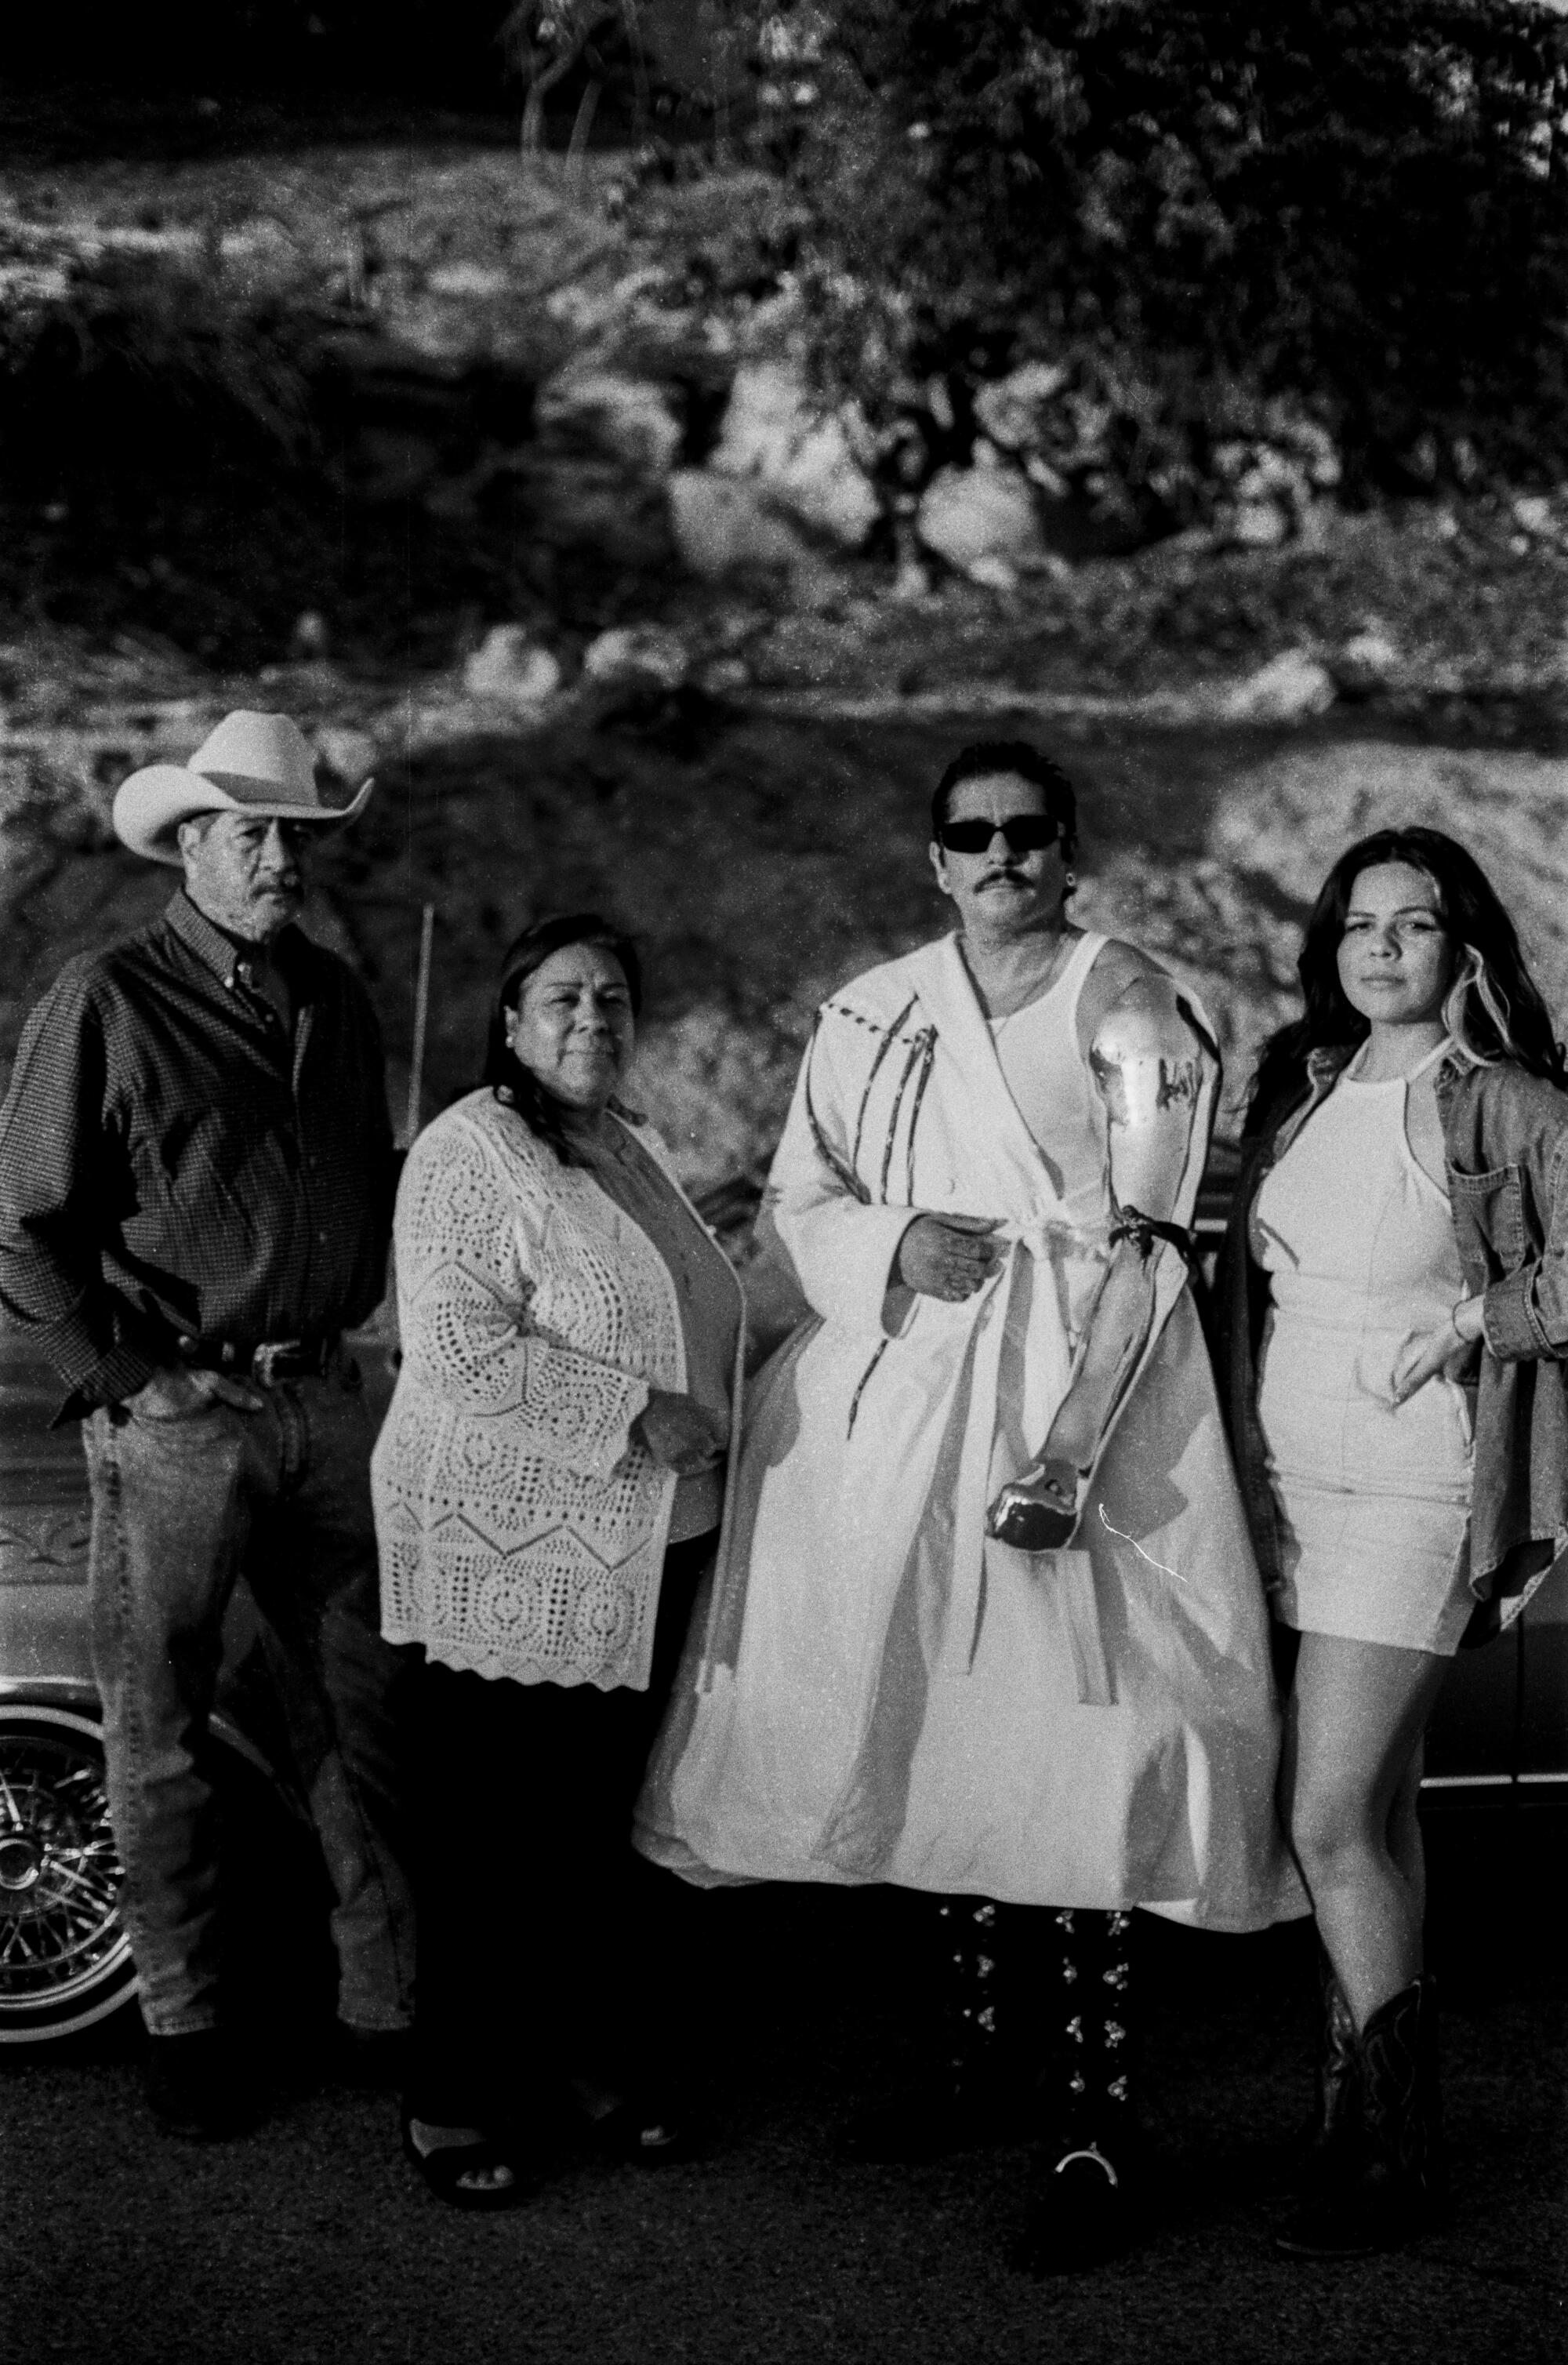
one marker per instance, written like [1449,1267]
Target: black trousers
[547,1948]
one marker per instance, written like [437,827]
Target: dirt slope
[763,860]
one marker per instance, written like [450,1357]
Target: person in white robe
[983,1189]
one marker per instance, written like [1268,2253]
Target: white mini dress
[1358,1244]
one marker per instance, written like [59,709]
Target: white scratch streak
[1160,1565]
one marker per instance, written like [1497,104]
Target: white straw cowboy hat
[256,764]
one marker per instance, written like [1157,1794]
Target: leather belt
[266,1359]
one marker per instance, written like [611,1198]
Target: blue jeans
[179,1507]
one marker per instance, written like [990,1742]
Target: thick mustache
[1016,878]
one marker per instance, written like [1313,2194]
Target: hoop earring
[1071,878]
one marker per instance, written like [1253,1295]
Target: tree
[1365,201]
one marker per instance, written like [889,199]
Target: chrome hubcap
[20,1862]
[60,1927]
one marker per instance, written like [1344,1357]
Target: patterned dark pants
[1036,2005]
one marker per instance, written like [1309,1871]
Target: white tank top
[1048,1078]
[1351,1230]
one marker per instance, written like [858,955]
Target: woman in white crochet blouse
[549,1486]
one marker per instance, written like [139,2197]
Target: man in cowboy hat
[196,1189]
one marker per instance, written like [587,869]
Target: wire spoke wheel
[64,1955]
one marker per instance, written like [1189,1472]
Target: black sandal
[442,2170]
[639,2132]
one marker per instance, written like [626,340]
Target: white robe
[873,1691]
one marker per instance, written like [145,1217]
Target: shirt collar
[221,954]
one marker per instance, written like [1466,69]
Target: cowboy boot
[1406,2173]
[1083,2209]
[963,2103]
[1335,2134]
[1394,2184]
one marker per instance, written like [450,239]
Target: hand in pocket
[180,1392]
[1424,1355]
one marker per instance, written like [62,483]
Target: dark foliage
[436,50]
[180,459]
[155,452]
[1362,201]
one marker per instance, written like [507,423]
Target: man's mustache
[1015,877]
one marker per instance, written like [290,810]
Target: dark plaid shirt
[174,1165]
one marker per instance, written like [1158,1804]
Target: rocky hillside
[377,401]
[502,484]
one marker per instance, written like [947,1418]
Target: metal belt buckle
[268,1362]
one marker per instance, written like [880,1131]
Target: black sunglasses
[1025,834]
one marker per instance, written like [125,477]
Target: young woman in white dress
[1382,1267]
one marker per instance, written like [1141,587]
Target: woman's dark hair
[506,1074]
[1494,1009]
[989,756]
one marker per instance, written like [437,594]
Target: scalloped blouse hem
[493,1668]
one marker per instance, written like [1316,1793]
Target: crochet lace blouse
[522,1532]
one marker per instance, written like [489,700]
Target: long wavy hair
[503,1072]
[1494,1008]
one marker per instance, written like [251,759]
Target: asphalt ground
[310,2242]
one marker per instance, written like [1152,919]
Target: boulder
[311,637]
[726,529]
[775,432]
[797,39]
[1231,920]
[1318,453]
[1290,689]
[993,574]
[509,664]
[1534,512]
[1273,481]
[637,653]
[912,583]
[714,1085]
[629,418]
[724,678]
[1009,408]
[1282,822]
[977,516]
[1367,661]
[1257,525]
[467,279]
[348,754]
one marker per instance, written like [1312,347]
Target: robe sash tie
[1024,1311]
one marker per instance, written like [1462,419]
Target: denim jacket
[1506,1140]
